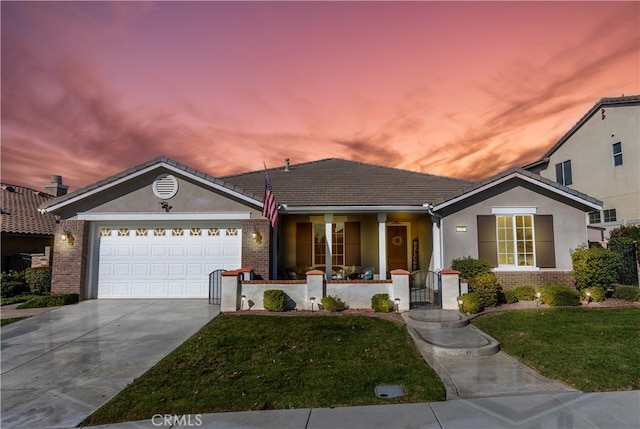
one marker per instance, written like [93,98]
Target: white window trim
[533,267]
[513,210]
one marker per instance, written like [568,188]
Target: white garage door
[164,262]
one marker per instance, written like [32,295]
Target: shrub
[625,234]
[598,294]
[39,280]
[274,300]
[488,289]
[333,303]
[471,303]
[470,267]
[525,293]
[595,266]
[12,284]
[510,296]
[559,295]
[381,303]
[628,293]
[51,300]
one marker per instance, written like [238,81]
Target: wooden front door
[397,247]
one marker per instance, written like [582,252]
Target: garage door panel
[167,266]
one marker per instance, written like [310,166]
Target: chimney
[55,187]
[286,165]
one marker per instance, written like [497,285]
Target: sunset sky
[462,89]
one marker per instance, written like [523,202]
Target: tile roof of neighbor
[20,213]
[339,182]
[628,100]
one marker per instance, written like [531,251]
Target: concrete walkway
[11,311]
[60,366]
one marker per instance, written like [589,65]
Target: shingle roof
[339,182]
[628,100]
[524,173]
[20,213]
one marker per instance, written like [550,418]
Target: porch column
[382,245]
[437,244]
[328,232]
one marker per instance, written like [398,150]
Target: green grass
[251,362]
[11,320]
[590,349]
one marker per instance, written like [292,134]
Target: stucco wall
[568,222]
[590,152]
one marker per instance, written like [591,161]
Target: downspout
[439,264]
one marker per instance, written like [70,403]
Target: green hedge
[598,294]
[39,280]
[488,289]
[12,284]
[471,303]
[51,300]
[381,303]
[595,266]
[558,295]
[628,293]
[274,300]
[333,303]
[510,296]
[470,267]
[525,293]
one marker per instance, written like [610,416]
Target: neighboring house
[160,228]
[600,155]
[24,230]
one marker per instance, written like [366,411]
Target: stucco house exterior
[600,155]
[158,229]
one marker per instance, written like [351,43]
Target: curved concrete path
[60,366]
[468,361]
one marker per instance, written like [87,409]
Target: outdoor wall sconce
[257,237]
[243,298]
[67,236]
[312,299]
[461,228]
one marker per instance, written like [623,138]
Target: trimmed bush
[333,303]
[559,295]
[274,300]
[39,280]
[598,294]
[51,300]
[510,296]
[12,284]
[525,293]
[471,303]
[470,267]
[488,288]
[628,293]
[595,266]
[381,303]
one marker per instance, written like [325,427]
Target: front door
[397,247]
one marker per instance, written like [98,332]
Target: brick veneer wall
[256,255]
[69,270]
[511,279]
[41,259]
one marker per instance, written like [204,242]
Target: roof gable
[20,213]
[339,182]
[160,163]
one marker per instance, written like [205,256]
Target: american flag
[269,208]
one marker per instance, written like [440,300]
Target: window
[617,154]
[610,215]
[337,244]
[515,240]
[563,173]
[311,243]
[594,217]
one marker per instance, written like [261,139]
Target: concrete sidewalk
[611,410]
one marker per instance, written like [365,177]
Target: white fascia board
[162,216]
[145,171]
[350,209]
[543,185]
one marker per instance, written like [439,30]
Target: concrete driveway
[60,366]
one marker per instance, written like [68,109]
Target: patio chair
[367,274]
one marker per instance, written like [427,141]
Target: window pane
[610,215]
[594,217]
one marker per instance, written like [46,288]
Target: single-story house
[157,230]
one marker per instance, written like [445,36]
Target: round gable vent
[165,186]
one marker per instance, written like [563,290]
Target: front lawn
[590,349]
[253,362]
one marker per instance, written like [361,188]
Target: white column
[328,232]
[382,245]
[437,244]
